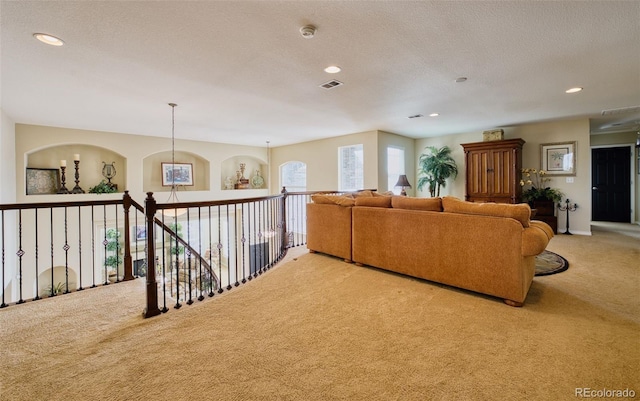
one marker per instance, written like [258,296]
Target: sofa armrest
[534,241]
[544,227]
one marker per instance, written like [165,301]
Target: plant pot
[544,207]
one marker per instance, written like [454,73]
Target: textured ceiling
[241,72]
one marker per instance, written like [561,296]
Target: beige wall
[8,159]
[321,157]
[535,134]
[133,171]
[386,139]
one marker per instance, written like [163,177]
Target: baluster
[244,266]
[187,255]
[219,246]
[199,282]
[20,253]
[235,244]
[4,303]
[211,288]
[105,243]
[52,249]
[118,259]
[228,250]
[66,248]
[93,248]
[80,248]
[164,309]
[35,213]
[173,254]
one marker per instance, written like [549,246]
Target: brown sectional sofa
[486,248]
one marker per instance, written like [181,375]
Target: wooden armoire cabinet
[493,171]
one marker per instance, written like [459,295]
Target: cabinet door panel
[478,173]
[502,178]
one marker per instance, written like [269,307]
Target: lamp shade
[403,181]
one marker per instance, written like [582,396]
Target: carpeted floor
[316,328]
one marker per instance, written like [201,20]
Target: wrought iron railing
[187,251]
[56,248]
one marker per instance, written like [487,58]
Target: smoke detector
[308,31]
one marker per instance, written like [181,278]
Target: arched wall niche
[152,171]
[89,169]
[254,166]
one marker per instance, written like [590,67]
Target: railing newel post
[150,209]
[128,260]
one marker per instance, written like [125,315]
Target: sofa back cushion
[520,212]
[373,201]
[407,202]
[345,201]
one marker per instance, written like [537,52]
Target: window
[350,168]
[293,176]
[395,167]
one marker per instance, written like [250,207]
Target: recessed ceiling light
[461,79]
[48,39]
[573,90]
[434,114]
[332,69]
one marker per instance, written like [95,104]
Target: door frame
[632,172]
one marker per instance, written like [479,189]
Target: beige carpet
[317,328]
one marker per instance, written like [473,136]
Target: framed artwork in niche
[177,174]
[558,158]
[42,181]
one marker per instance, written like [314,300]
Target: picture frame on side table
[558,158]
[177,174]
[42,181]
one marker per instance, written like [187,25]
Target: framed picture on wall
[558,158]
[42,181]
[177,173]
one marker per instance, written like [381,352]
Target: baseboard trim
[576,232]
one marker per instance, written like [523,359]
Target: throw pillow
[520,212]
[374,201]
[407,202]
[345,201]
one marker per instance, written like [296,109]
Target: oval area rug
[550,263]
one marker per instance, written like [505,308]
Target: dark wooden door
[611,184]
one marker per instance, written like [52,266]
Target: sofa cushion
[407,202]
[345,201]
[374,201]
[520,212]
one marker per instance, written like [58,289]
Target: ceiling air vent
[331,84]
[623,110]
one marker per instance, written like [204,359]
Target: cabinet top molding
[494,144]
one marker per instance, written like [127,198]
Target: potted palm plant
[434,168]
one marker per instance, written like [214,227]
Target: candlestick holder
[568,208]
[63,189]
[77,189]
